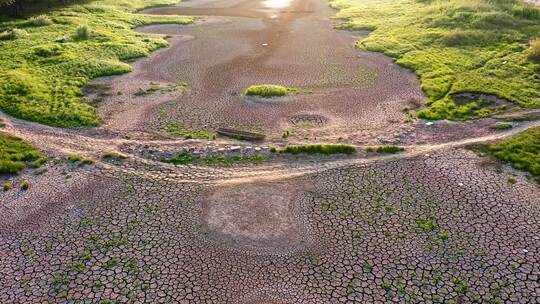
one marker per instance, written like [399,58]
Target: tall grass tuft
[41,20]
[83,32]
[534,50]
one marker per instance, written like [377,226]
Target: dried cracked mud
[436,224]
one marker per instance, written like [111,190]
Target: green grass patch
[79,160]
[522,151]
[390,149]
[269,90]
[185,158]
[43,64]
[320,149]
[176,130]
[456,46]
[16,155]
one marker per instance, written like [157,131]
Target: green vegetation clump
[7,186]
[534,50]
[391,149]
[25,185]
[269,90]
[41,20]
[79,160]
[42,71]
[15,154]
[83,32]
[113,156]
[185,158]
[456,46]
[320,149]
[522,151]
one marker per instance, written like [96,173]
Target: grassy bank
[15,155]
[457,46]
[522,151]
[45,61]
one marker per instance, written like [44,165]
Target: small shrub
[534,50]
[83,32]
[286,134]
[25,185]
[13,34]
[7,186]
[320,149]
[111,263]
[269,90]
[41,20]
[386,149]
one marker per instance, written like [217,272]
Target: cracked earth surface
[436,224]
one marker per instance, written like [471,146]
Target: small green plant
[75,158]
[534,50]
[390,149]
[39,162]
[25,185]
[512,180]
[269,90]
[77,267]
[41,20]
[83,32]
[320,149]
[286,134]
[443,236]
[111,263]
[7,186]
[273,149]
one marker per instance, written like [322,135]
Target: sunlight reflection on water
[276,3]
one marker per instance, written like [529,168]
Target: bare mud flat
[240,43]
[435,224]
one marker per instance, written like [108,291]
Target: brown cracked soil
[436,224]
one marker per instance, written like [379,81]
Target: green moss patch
[185,158]
[269,90]
[16,155]
[455,47]
[320,149]
[43,68]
